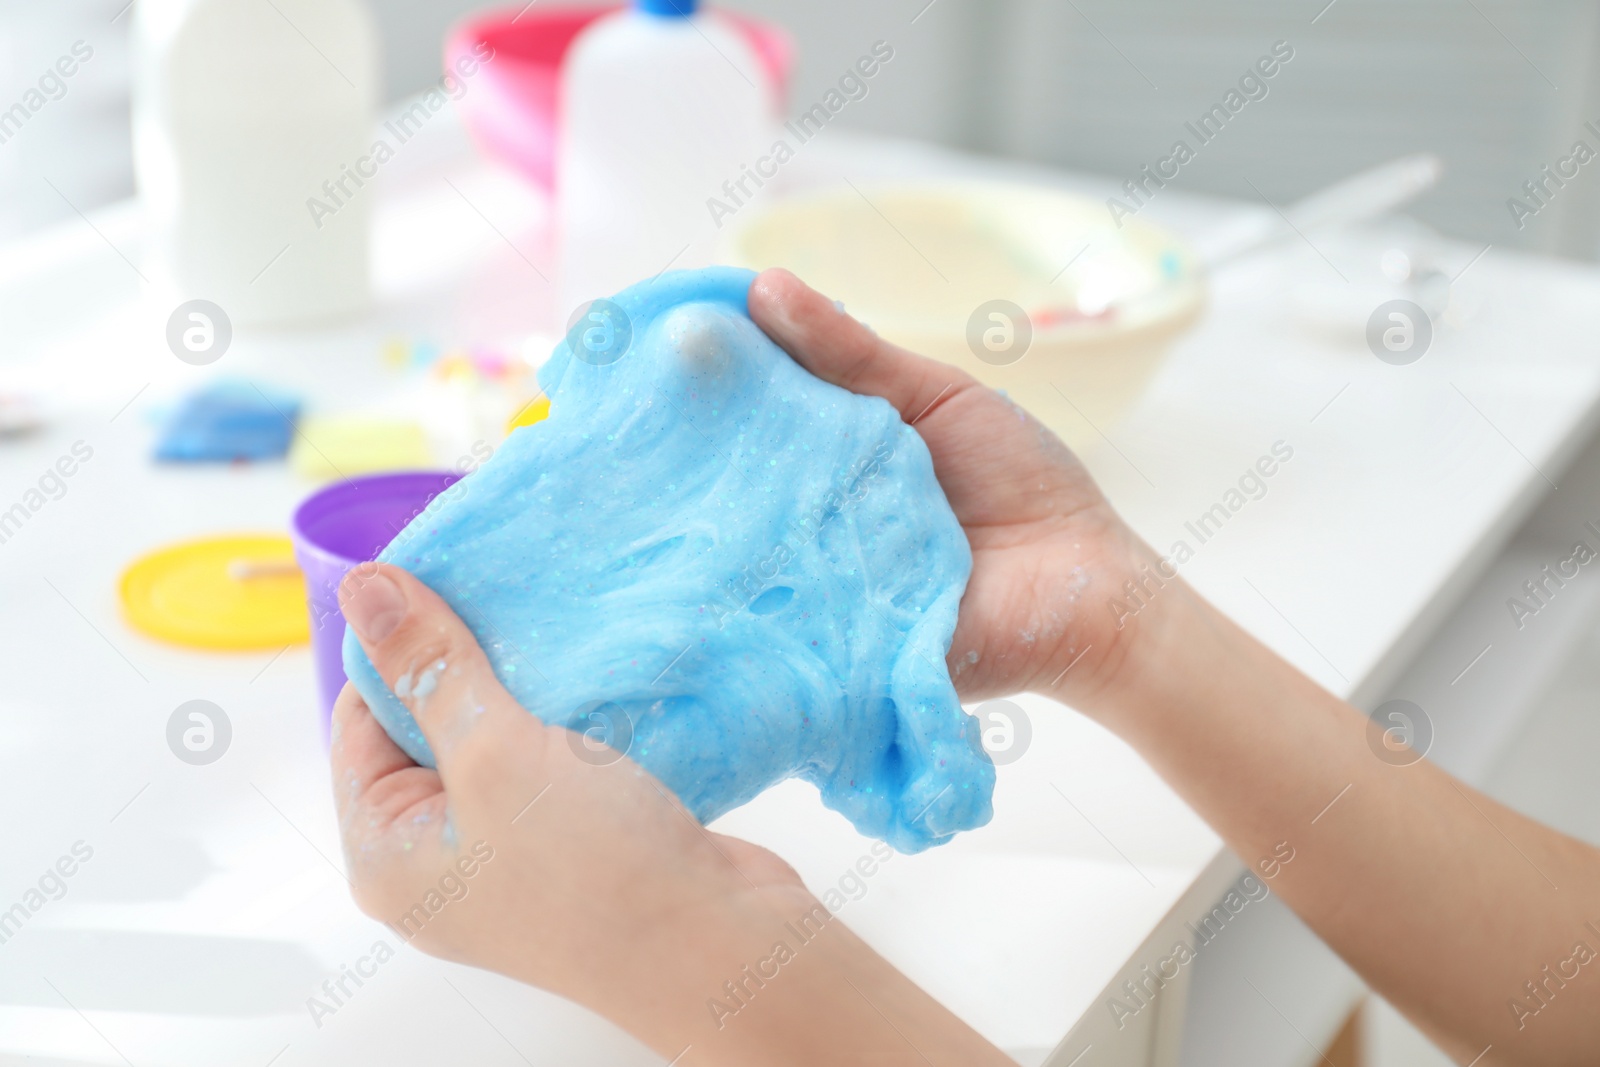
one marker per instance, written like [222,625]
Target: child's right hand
[586,877]
[525,852]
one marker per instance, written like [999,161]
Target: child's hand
[516,855]
[1048,552]
[585,877]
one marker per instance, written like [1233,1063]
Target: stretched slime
[734,571]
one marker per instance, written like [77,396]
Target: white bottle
[248,120]
[661,105]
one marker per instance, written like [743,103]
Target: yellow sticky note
[342,446]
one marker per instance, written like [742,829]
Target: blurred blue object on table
[229,421]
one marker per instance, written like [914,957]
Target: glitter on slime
[746,573]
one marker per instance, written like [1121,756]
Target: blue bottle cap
[667,8]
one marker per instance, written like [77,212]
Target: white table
[213,906]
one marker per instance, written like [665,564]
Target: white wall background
[1497,87]
[1105,85]
[80,143]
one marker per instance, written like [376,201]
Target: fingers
[428,658]
[838,349]
[361,753]
[375,784]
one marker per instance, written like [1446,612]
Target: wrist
[1131,619]
[1183,657]
[750,988]
[697,972]
[1160,650]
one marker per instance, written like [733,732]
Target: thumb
[838,349]
[429,659]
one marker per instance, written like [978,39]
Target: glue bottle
[662,105]
[250,123]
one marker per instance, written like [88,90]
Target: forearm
[1444,901]
[775,981]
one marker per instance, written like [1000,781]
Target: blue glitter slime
[737,572]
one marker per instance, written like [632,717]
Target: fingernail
[373,604]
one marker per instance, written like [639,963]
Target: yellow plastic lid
[236,593]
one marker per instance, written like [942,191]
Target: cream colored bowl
[1032,290]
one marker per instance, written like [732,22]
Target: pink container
[511,102]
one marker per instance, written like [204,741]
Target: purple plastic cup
[338,527]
